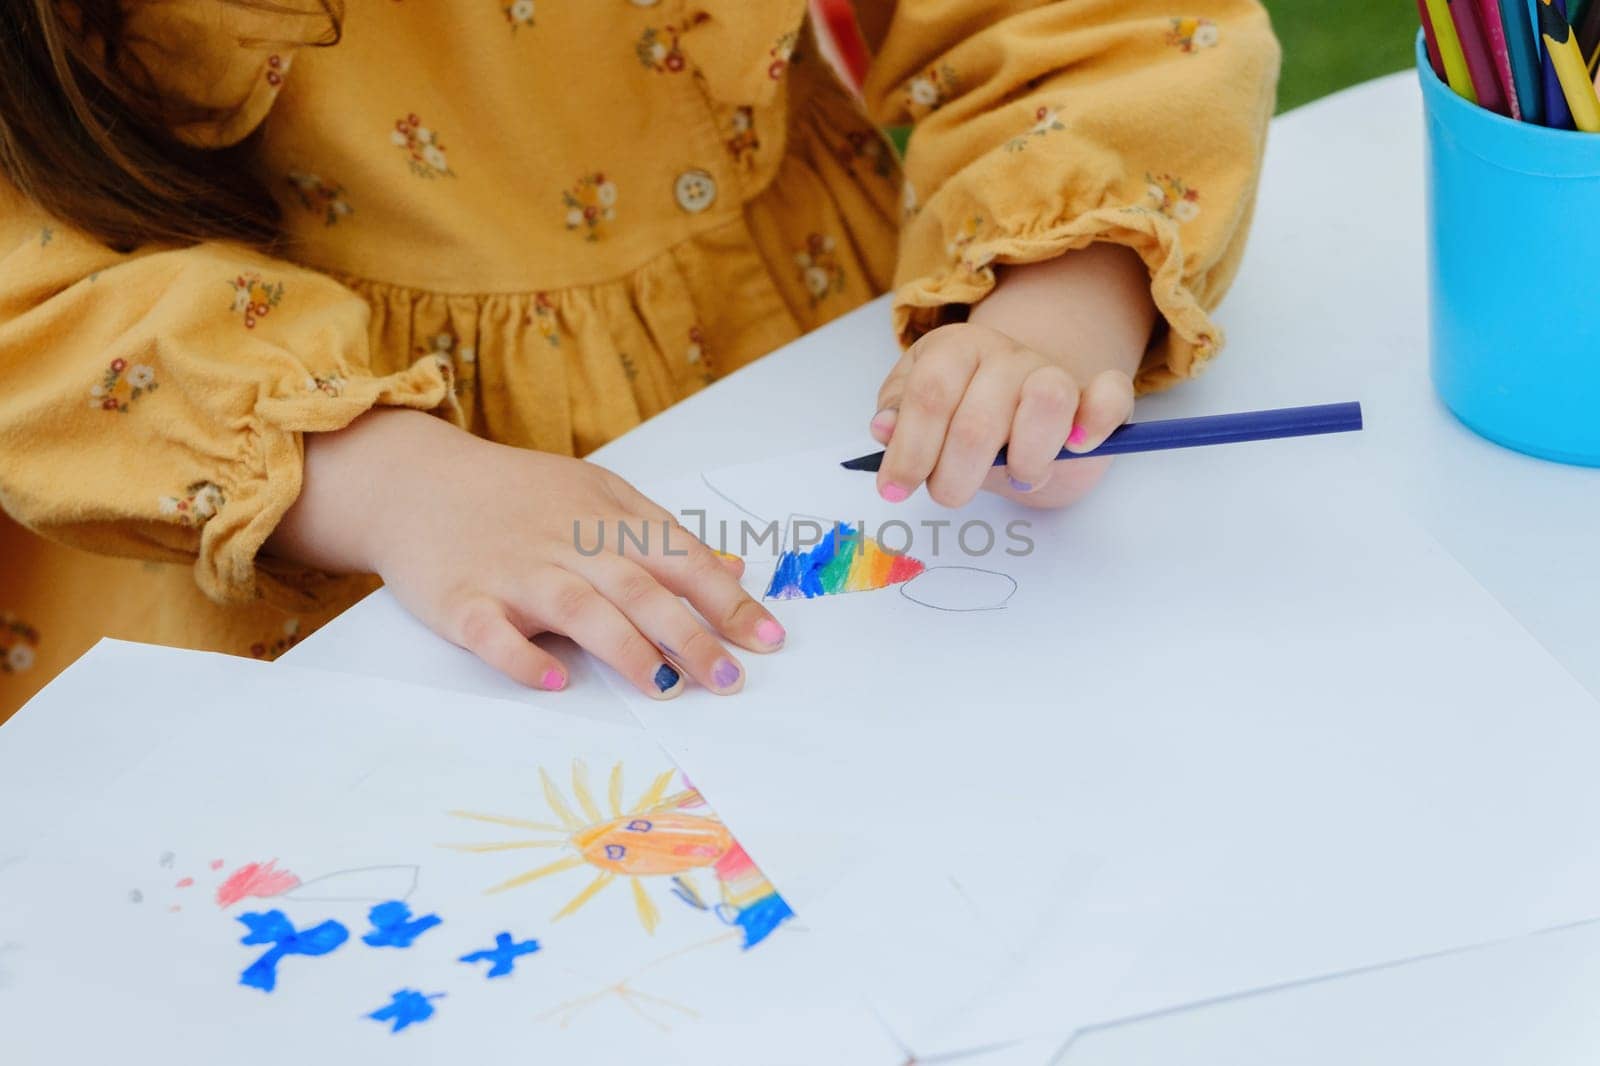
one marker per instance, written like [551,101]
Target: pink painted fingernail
[769,633]
[893,493]
[1077,436]
[554,680]
[884,420]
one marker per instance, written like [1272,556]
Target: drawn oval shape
[670,842]
[960,589]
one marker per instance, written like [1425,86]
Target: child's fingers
[882,425]
[486,632]
[664,620]
[1106,403]
[706,578]
[890,394]
[977,430]
[675,539]
[701,577]
[1040,428]
[562,601]
[933,391]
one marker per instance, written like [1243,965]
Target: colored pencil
[1455,62]
[1517,20]
[1494,32]
[1198,432]
[1476,48]
[1561,44]
[1557,115]
[1432,40]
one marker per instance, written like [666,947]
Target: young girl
[293,290]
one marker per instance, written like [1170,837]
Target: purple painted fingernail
[1020,486]
[725,674]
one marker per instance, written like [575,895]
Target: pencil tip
[868,463]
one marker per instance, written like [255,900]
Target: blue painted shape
[392,926]
[406,1007]
[273,927]
[760,919]
[503,955]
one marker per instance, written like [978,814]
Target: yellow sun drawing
[655,837]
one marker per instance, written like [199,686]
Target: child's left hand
[1046,361]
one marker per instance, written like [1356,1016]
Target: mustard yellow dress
[547,220]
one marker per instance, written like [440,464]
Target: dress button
[696,190]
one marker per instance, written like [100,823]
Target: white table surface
[1330,305]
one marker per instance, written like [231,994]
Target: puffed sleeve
[152,404]
[217,68]
[1040,127]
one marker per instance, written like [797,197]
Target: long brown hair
[84,134]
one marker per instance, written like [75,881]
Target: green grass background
[1329,44]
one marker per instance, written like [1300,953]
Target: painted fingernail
[884,420]
[769,633]
[666,678]
[726,558]
[725,674]
[554,680]
[1020,486]
[893,493]
[1077,436]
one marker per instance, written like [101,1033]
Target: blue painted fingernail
[666,678]
[1020,486]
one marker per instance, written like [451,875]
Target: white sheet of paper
[1522,1001]
[1241,723]
[141,782]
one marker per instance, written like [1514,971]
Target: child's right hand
[481,542]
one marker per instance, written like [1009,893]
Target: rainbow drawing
[748,899]
[845,560]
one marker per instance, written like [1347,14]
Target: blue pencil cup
[1514,268]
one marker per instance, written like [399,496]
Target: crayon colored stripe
[843,561]
[756,907]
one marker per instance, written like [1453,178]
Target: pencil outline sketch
[409,879]
[568,1012]
[906,587]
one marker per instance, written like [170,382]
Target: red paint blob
[186,882]
[258,879]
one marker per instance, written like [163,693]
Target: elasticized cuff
[265,481]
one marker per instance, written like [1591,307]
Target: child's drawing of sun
[654,837]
